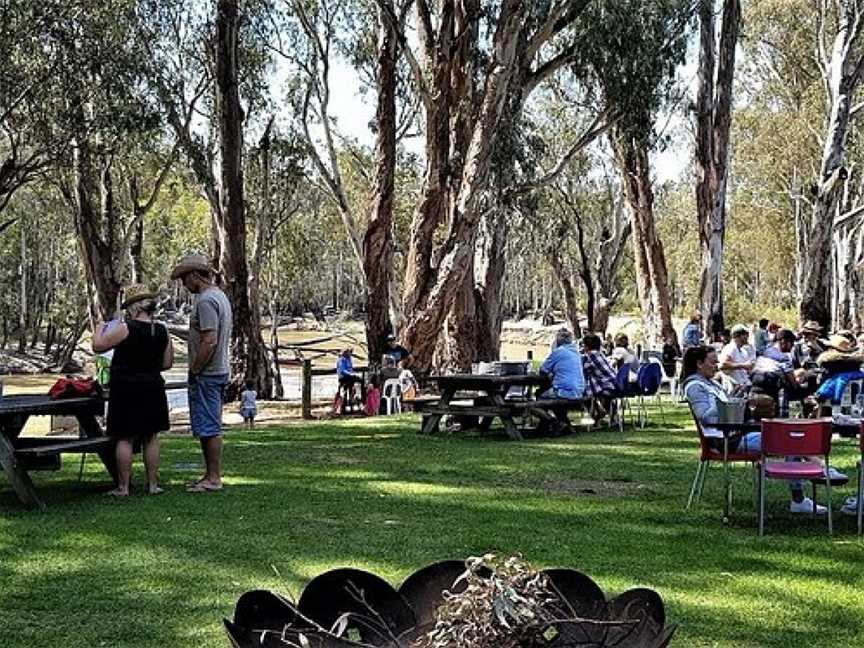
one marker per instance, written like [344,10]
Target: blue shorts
[205,404]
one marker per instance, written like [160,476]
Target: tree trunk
[22,308]
[714,112]
[651,275]
[571,302]
[842,74]
[378,238]
[95,225]
[249,356]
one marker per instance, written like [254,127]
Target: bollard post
[307,389]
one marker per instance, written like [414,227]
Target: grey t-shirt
[212,312]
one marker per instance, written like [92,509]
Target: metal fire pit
[350,608]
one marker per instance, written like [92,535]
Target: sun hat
[738,329]
[136,293]
[841,343]
[192,263]
[811,326]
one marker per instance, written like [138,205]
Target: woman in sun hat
[137,405]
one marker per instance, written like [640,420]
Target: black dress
[137,405]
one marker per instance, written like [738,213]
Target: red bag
[74,388]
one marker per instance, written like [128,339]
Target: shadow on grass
[373,494]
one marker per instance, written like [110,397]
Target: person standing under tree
[137,405]
[209,339]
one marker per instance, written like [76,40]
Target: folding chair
[649,378]
[782,438]
[707,454]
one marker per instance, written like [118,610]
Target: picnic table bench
[488,399]
[21,455]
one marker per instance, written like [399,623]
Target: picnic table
[487,399]
[733,430]
[21,455]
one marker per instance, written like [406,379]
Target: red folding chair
[782,438]
[707,454]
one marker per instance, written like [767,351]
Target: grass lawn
[304,498]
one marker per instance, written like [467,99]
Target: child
[248,408]
[373,397]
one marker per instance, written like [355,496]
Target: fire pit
[479,603]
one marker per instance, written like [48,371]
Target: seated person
[841,364]
[599,376]
[671,352]
[408,384]
[345,369]
[389,370]
[703,394]
[396,351]
[737,359]
[564,366]
[622,355]
[774,370]
[809,348]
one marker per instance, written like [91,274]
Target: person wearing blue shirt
[564,364]
[692,335]
[345,369]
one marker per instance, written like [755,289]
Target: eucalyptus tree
[840,57]
[632,51]
[713,122]
[206,66]
[476,65]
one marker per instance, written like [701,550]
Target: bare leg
[124,467]
[212,447]
[151,463]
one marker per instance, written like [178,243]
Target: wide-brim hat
[841,343]
[192,263]
[136,293]
[739,329]
[811,326]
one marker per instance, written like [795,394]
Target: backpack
[74,388]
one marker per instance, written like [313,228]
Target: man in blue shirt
[692,335]
[564,364]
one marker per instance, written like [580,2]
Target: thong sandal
[204,487]
[156,490]
[116,493]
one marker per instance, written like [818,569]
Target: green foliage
[632,49]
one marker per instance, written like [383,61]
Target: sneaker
[806,506]
[836,475]
[850,506]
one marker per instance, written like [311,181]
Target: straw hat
[192,263]
[811,326]
[136,293]
[841,343]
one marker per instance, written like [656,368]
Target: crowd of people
[780,367]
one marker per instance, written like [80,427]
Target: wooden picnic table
[21,455]
[488,400]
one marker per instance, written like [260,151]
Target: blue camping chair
[626,390]
[648,379]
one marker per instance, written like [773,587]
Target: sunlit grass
[304,498]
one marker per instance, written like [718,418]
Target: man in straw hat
[808,348]
[209,367]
